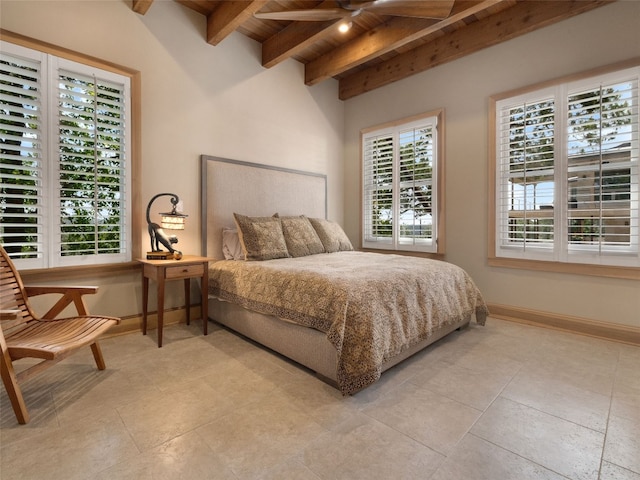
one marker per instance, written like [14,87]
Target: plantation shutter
[64,166]
[567,176]
[22,210]
[399,185]
[378,152]
[416,165]
[602,173]
[526,149]
[91,198]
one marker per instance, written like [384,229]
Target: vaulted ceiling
[379,48]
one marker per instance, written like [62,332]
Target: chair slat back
[12,293]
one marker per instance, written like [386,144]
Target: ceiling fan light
[344,27]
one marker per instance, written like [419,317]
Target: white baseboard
[609,331]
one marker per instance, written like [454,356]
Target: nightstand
[185,269]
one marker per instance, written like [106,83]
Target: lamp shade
[173,221]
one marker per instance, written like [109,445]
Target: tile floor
[505,401]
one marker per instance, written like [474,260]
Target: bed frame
[252,189]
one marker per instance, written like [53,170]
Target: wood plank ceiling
[378,49]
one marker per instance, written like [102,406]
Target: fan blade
[438,9]
[311,15]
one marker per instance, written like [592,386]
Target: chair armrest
[72,294]
[33,290]
[9,314]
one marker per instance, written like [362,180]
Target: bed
[346,315]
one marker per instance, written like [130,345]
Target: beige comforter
[371,306]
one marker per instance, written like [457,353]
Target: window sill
[408,253]
[627,273]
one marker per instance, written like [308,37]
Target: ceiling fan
[436,9]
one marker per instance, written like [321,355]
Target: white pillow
[231,247]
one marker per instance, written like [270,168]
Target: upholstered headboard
[252,189]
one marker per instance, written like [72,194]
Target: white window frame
[434,244]
[601,259]
[49,238]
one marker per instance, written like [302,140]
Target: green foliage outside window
[90,164]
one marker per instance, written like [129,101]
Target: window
[66,161]
[566,176]
[401,167]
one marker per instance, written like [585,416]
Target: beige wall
[196,99]
[219,100]
[600,37]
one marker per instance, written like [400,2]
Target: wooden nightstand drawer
[184,271]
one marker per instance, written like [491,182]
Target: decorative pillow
[231,246]
[300,236]
[331,235]
[261,237]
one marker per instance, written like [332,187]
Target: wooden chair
[23,335]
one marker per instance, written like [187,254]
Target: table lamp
[170,221]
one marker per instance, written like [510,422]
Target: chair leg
[97,355]
[13,389]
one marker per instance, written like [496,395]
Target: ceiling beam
[141,6]
[228,16]
[296,37]
[381,39]
[524,17]
[384,38]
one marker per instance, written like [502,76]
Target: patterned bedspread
[371,306]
